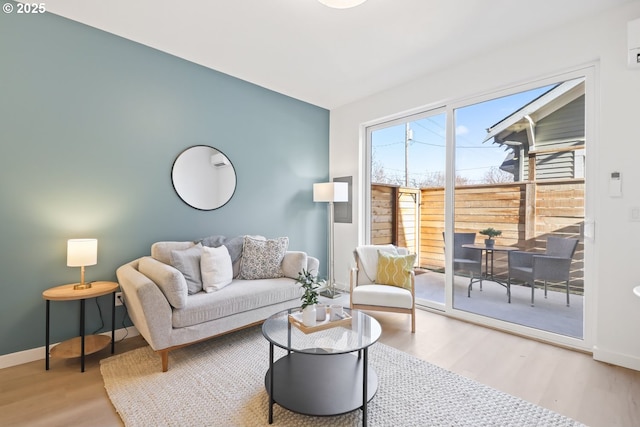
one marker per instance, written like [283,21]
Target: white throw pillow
[217,269]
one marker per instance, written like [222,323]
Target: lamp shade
[82,252]
[341,4]
[331,192]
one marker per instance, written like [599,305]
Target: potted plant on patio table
[490,233]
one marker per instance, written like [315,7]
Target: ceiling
[327,57]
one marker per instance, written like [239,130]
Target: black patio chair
[467,259]
[553,265]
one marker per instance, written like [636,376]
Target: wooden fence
[525,212]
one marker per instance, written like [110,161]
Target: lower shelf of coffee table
[320,384]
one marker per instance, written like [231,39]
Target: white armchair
[368,294]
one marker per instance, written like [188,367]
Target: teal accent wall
[90,124]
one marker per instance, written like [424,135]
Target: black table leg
[82,335]
[113,323]
[365,369]
[271,400]
[46,345]
[492,264]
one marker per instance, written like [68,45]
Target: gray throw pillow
[188,263]
[262,259]
[234,244]
[213,241]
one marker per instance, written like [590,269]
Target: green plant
[490,232]
[310,285]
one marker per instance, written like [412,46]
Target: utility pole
[408,136]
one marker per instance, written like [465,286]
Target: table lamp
[80,253]
[330,192]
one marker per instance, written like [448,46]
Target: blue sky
[427,148]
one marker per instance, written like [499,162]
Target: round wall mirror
[203,177]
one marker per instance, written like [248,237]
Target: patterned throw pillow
[262,259]
[395,270]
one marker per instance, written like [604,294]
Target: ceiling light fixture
[341,4]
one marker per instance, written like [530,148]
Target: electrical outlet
[118,298]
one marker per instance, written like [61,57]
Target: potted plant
[309,298]
[490,233]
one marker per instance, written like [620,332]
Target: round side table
[82,345]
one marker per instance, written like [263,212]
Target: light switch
[615,184]
[635,214]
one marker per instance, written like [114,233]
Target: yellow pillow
[395,270]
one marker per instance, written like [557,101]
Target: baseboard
[26,356]
[619,359]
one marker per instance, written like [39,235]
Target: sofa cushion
[188,262]
[262,259]
[170,281]
[217,270]
[395,270]
[239,297]
[293,263]
[162,250]
[382,295]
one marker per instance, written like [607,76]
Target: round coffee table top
[362,332]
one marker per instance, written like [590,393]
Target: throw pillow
[217,271]
[170,281]
[262,259]
[162,250]
[395,270]
[212,241]
[188,262]
[234,246]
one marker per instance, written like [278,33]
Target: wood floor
[565,381]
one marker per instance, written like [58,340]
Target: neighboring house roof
[550,120]
[545,104]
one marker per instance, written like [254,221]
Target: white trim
[590,72]
[26,356]
[619,359]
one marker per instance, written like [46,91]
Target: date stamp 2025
[24,8]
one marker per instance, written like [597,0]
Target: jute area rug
[220,382]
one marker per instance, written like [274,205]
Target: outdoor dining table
[488,262]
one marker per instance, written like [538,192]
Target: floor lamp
[330,192]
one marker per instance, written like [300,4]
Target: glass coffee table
[324,372]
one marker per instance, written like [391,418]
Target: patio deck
[550,314]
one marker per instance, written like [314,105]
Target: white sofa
[158,302]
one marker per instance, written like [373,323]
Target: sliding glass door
[477,185]
[520,174]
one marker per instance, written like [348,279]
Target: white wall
[614,147]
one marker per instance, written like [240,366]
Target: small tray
[296,320]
